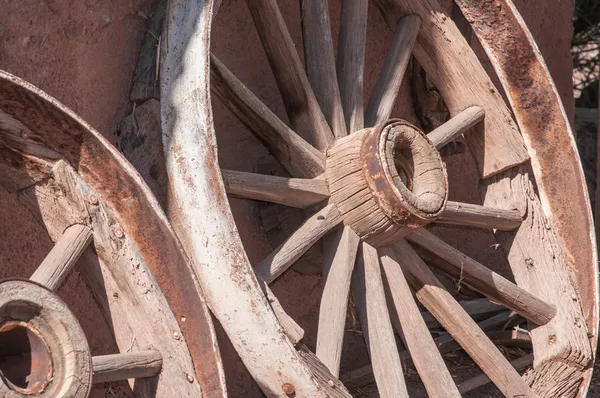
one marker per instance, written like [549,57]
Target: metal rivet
[189,377]
[288,389]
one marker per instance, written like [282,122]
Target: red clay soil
[84,54]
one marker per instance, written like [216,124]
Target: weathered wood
[293,331]
[320,62]
[294,192]
[423,351]
[456,126]
[298,157]
[130,365]
[66,252]
[369,297]
[334,388]
[392,73]
[300,102]
[471,215]
[481,380]
[476,309]
[484,280]
[338,264]
[432,294]
[297,244]
[463,82]
[351,61]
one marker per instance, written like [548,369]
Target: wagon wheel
[374,183]
[107,226]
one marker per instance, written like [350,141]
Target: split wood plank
[294,192]
[423,351]
[338,264]
[55,268]
[481,380]
[455,70]
[351,61]
[295,154]
[300,102]
[432,294]
[320,62]
[456,126]
[392,73]
[482,279]
[471,215]
[131,365]
[298,243]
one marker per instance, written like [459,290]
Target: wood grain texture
[300,102]
[456,126]
[58,263]
[294,192]
[482,279]
[432,294]
[371,305]
[333,387]
[481,380]
[320,62]
[350,64]
[423,351]
[295,154]
[453,67]
[338,264]
[131,365]
[392,73]
[470,215]
[298,243]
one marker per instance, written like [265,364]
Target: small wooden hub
[386,181]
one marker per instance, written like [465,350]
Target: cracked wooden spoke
[338,264]
[470,215]
[482,379]
[298,243]
[292,330]
[132,365]
[482,279]
[300,102]
[320,62]
[63,256]
[391,75]
[424,353]
[351,61]
[432,294]
[456,126]
[294,192]
[295,154]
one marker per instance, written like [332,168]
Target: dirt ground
[84,54]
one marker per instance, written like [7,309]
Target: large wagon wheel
[106,224]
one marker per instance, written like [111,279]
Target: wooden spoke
[456,126]
[294,192]
[300,102]
[298,243]
[369,296]
[293,331]
[424,353]
[338,261]
[432,294]
[482,379]
[482,279]
[63,256]
[475,308]
[320,62]
[295,154]
[351,61]
[132,365]
[391,75]
[470,215]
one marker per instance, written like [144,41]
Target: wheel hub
[386,181]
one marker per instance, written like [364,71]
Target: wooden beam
[392,73]
[351,61]
[456,126]
[294,192]
[63,256]
[457,213]
[300,102]
[481,380]
[132,365]
[482,279]
[298,243]
[295,154]
[423,351]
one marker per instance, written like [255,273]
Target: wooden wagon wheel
[107,225]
